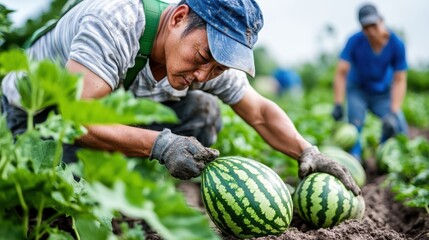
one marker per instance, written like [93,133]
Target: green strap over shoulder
[152,10]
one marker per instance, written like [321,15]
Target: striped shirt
[103,36]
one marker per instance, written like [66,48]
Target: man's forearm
[339,88]
[398,91]
[280,132]
[341,72]
[131,141]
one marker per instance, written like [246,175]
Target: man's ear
[179,15]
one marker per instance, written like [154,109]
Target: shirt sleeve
[346,53]
[399,61]
[106,44]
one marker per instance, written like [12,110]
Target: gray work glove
[311,160]
[337,113]
[184,157]
[390,125]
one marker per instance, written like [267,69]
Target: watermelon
[245,198]
[348,161]
[323,201]
[345,135]
[387,154]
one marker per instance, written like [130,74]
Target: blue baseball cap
[368,15]
[232,30]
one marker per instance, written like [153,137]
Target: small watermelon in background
[348,161]
[323,201]
[345,135]
[245,198]
[387,154]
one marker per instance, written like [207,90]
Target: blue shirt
[372,71]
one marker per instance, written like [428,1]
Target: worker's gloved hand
[337,113]
[390,125]
[184,157]
[311,160]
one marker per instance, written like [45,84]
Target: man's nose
[203,74]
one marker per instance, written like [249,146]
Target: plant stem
[58,149]
[46,224]
[3,163]
[30,115]
[39,218]
[24,208]
[75,229]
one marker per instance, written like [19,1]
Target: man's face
[374,32]
[188,58]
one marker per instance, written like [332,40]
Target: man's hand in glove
[311,160]
[337,113]
[184,157]
[390,125]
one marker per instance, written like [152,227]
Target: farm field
[107,195]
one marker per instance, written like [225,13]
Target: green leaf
[13,60]
[116,187]
[60,130]
[91,229]
[11,229]
[7,152]
[47,84]
[58,82]
[135,233]
[31,147]
[56,234]
[119,107]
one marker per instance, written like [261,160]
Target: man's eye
[200,58]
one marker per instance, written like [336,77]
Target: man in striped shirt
[202,49]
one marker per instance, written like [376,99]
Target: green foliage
[417,80]
[409,178]
[237,138]
[309,74]
[118,107]
[36,189]
[416,109]
[118,187]
[5,22]
[13,60]
[264,62]
[18,35]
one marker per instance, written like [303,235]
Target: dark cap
[368,15]
[232,30]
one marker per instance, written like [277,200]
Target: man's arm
[399,89]
[131,141]
[184,157]
[271,122]
[341,72]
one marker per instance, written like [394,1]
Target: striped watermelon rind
[323,201]
[245,198]
[348,161]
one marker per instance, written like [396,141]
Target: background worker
[371,72]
